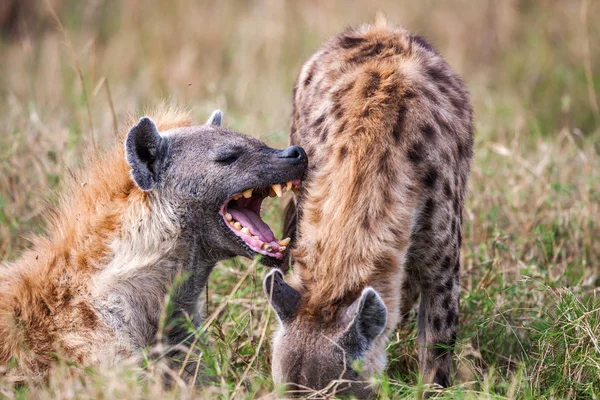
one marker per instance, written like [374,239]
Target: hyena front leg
[438,323]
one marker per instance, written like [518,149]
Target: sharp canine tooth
[282,248]
[237,225]
[246,230]
[277,189]
[228,217]
[237,197]
[289,185]
[248,193]
[267,247]
[284,242]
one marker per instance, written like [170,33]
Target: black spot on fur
[464,152]
[343,151]
[368,51]
[444,127]
[447,264]
[429,207]
[366,223]
[431,96]
[428,131]
[372,85]
[421,41]
[324,133]
[430,177]
[456,205]
[309,76]
[451,318]
[437,324]
[415,153]
[342,127]
[340,93]
[409,94]
[399,127]
[337,110]
[319,121]
[438,75]
[457,267]
[447,189]
[349,42]
[449,284]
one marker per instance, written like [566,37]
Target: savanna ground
[530,311]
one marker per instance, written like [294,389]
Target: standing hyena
[387,127]
[174,200]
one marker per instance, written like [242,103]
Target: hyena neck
[152,257]
[364,250]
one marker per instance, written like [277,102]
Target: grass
[530,310]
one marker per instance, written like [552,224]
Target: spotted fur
[387,126]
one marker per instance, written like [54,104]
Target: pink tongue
[249,219]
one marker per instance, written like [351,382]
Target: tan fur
[45,297]
[388,130]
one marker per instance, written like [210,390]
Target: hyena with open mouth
[173,201]
[387,126]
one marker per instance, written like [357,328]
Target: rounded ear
[369,316]
[283,298]
[215,118]
[144,151]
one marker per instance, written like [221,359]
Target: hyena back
[387,126]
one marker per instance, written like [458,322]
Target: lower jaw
[256,245]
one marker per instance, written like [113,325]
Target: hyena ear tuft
[215,119]
[144,151]
[283,298]
[368,320]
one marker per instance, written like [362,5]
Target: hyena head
[212,181]
[312,354]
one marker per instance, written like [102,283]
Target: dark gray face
[309,354]
[215,180]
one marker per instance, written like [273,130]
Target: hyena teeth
[277,189]
[272,193]
[237,197]
[237,225]
[248,193]
[255,237]
[246,230]
[288,185]
[282,248]
[267,247]
[284,242]
[228,217]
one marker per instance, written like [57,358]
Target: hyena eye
[227,158]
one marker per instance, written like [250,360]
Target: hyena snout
[279,171]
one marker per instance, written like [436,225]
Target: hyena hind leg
[438,325]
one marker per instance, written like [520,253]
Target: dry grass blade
[77,68]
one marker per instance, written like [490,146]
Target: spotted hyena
[174,200]
[387,126]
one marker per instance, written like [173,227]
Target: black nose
[295,154]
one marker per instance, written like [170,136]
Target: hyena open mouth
[242,215]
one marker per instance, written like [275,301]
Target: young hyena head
[213,182]
[310,354]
